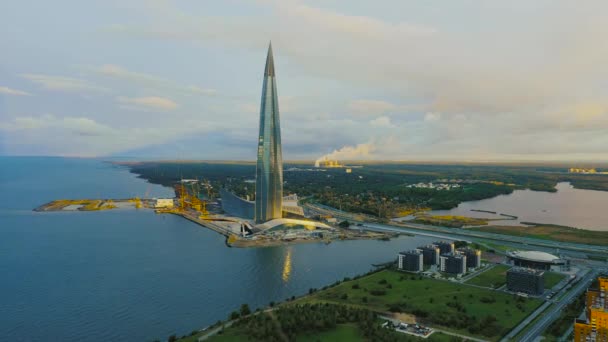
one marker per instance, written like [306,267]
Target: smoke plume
[349,153]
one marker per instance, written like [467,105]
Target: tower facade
[269,169]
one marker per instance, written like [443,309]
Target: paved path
[468,338]
[476,273]
[214,331]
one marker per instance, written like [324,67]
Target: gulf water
[129,275]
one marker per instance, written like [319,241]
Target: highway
[553,312]
[453,233]
[551,309]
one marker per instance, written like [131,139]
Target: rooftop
[533,256]
[526,270]
[413,251]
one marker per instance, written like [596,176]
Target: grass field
[442,300]
[492,278]
[343,332]
[551,232]
[552,278]
[229,335]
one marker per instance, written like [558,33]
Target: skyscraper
[269,170]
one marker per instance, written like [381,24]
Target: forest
[377,189]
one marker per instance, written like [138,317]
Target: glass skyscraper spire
[269,170]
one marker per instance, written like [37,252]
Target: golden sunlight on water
[287,265]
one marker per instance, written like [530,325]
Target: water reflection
[287,265]
[568,206]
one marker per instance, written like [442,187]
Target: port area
[239,232]
[94,204]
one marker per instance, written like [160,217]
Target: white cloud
[432,117]
[382,122]
[505,89]
[78,125]
[118,72]
[62,83]
[371,107]
[15,92]
[148,103]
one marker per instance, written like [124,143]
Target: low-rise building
[453,263]
[164,203]
[526,280]
[473,257]
[411,261]
[430,254]
[538,260]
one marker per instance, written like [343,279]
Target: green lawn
[492,278]
[552,278]
[229,335]
[444,301]
[343,332]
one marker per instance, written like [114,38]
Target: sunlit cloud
[118,72]
[62,83]
[15,92]
[147,103]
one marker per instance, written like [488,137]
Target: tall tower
[269,170]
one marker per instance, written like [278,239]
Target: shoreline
[231,239]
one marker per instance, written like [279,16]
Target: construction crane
[137,202]
[188,198]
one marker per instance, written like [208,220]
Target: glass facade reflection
[269,170]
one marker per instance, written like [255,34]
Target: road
[454,233]
[552,309]
[553,312]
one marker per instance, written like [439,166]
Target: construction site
[193,201]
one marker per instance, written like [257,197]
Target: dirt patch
[404,317]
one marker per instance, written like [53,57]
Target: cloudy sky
[401,80]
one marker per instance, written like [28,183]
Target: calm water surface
[586,209]
[127,275]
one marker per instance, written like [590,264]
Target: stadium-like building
[538,260]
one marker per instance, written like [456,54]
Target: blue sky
[400,80]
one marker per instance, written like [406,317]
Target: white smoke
[349,153]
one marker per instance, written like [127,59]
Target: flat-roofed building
[526,280]
[411,261]
[595,326]
[430,254]
[453,263]
[445,247]
[473,257]
[164,203]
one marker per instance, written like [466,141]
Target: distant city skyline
[407,80]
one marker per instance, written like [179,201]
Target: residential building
[411,261]
[430,254]
[445,247]
[473,257]
[595,326]
[453,263]
[526,280]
